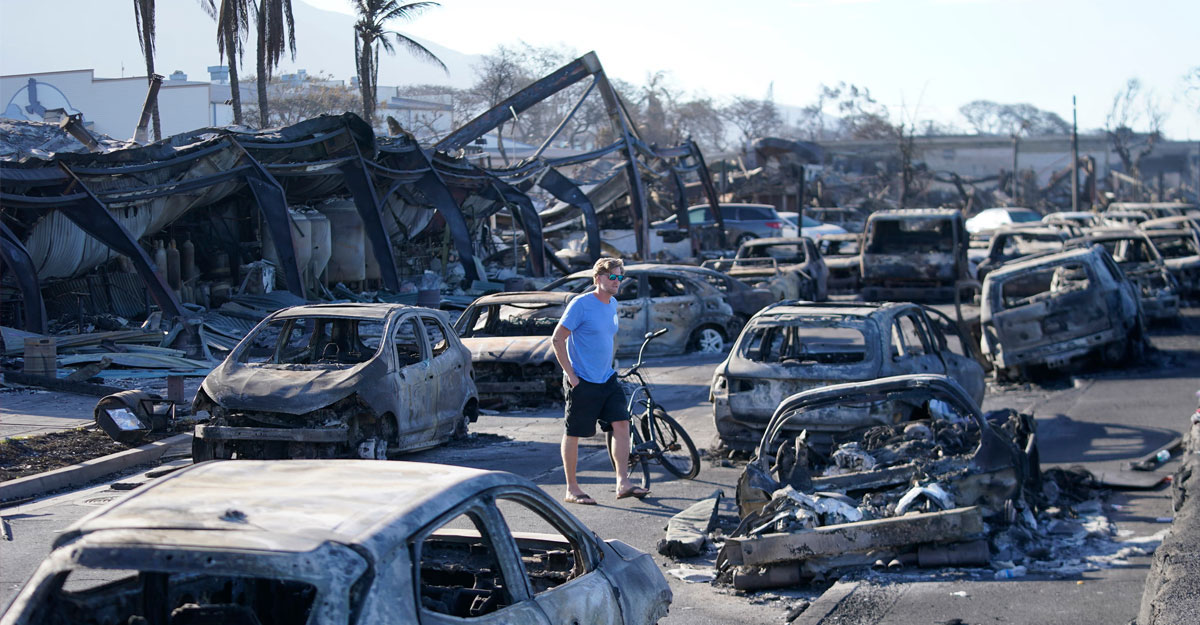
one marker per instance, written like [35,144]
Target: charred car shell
[791,347]
[917,254]
[663,296]
[1049,309]
[510,338]
[1134,253]
[865,456]
[370,543]
[798,255]
[338,380]
[1180,250]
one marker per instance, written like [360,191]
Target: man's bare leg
[620,454]
[570,457]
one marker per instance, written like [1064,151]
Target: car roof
[916,212]
[736,204]
[526,297]
[845,309]
[768,241]
[1025,262]
[346,501]
[361,311]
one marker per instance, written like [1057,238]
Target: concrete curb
[824,605]
[1172,591]
[87,471]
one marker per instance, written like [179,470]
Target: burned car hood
[284,389]
[515,349]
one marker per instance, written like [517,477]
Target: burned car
[917,254]
[791,347]
[338,380]
[663,296]
[510,338]
[840,253]
[371,543]
[744,299]
[1051,308]
[796,255]
[851,473]
[1180,251]
[1008,244]
[1141,263]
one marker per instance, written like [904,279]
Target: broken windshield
[902,236]
[1043,283]
[804,343]
[523,319]
[318,341]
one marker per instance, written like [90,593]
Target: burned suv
[917,254]
[795,346]
[1048,309]
[338,380]
[1134,253]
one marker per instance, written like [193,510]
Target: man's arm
[560,352]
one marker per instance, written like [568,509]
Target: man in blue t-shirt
[583,344]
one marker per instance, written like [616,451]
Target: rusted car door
[911,349]
[416,397]
[673,305]
[569,587]
[956,353]
[444,375]
[632,315]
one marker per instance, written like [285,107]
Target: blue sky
[922,57]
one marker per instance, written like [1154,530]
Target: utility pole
[1014,171]
[1074,156]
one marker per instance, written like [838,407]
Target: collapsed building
[218,226]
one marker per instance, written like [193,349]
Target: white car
[992,218]
[810,227]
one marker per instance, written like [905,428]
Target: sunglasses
[616,276]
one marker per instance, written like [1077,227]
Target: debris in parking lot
[687,532]
[1152,460]
[693,575]
[879,469]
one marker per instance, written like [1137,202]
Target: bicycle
[654,434]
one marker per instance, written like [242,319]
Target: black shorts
[589,402]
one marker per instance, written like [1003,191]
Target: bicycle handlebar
[650,336]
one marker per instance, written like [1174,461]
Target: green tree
[143,13]
[370,35]
[233,25]
[273,16]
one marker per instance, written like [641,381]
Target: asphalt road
[1097,419]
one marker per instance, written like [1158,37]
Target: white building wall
[113,105]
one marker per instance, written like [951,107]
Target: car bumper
[1054,354]
[215,433]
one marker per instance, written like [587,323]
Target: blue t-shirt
[593,326]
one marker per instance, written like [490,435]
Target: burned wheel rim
[709,341]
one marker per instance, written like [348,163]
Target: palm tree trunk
[364,82]
[231,54]
[262,65]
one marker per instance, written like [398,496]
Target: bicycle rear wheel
[675,449]
[637,461]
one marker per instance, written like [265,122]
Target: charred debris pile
[905,472]
[216,227]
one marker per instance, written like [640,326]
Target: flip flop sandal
[634,491]
[581,499]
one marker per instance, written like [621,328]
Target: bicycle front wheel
[675,449]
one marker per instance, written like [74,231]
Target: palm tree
[370,36]
[272,16]
[233,23]
[143,12]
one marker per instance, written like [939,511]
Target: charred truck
[917,254]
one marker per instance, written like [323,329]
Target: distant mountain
[101,35]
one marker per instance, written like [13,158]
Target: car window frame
[437,320]
[422,340]
[489,516]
